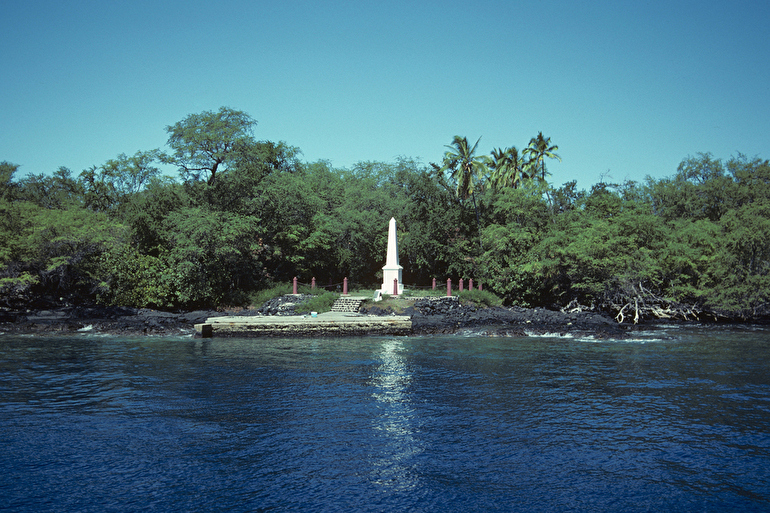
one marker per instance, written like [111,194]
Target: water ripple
[381,424]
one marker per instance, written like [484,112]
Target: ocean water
[677,419]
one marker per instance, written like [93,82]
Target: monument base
[389,275]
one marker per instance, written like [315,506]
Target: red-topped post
[480,286]
[312,283]
[470,284]
[294,286]
[434,284]
[461,285]
[395,286]
[449,287]
[345,287]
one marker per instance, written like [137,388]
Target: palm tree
[539,148]
[464,165]
[509,167]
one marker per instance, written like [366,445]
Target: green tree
[519,221]
[539,148]
[239,189]
[108,188]
[7,186]
[210,142]
[742,272]
[53,253]
[509,168]
[214,258]
[700,189]
[427,226]
[56,192]
[465,167]
[751,178]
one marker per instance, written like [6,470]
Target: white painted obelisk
[392,271]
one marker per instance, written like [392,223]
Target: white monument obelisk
[392,271]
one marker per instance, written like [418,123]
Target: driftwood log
[639,303]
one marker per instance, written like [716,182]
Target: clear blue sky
[624,88]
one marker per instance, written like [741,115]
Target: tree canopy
[247,214]
[209,142]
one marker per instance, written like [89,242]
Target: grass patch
[320,303]
[395,304]
[479,298]
[418,293]
[260,297]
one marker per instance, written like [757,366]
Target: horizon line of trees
[246,214]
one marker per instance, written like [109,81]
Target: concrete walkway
[328,323]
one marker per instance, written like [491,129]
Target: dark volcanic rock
[429,316]
[283,305]
[376,310]
[127,321]
[115,320]
[515,321]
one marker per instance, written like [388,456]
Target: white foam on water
[549,335]
[620,340]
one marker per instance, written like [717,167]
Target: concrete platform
[326,324]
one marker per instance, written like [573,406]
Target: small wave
[549,335]
[621,340]
[86,328]
[473,333]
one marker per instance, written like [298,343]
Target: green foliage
[699,190]
[321,303]
[54,252]
[741,270]
[109,188]
[479,298]
[464,166]
[136,279]
[7,186]
[539,148]
[54,192]
[262,296]
[428,220]
[520,220]
[213,257]
[510,168]
[208,142]
[148,211]
[249,214]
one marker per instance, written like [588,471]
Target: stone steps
[348,304]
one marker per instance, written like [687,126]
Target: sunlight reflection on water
[394,420]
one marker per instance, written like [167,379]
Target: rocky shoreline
[429,316]
[447,315]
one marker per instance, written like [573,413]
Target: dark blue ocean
[677,419]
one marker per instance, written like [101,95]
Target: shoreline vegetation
[245,214]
